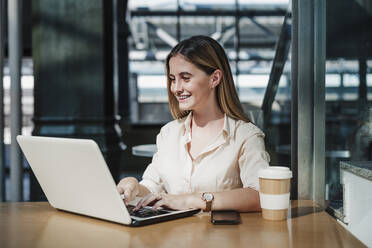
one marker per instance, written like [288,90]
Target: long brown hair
[208,55]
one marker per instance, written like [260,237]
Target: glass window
[348,91]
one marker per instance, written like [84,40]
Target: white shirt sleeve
[151,177]
[253,157]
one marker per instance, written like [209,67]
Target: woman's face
[192,87]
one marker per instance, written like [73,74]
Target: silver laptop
[74,177]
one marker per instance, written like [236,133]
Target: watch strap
[208,206]
[208,202]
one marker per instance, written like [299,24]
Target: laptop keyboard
[145,212]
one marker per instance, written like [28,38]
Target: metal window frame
[308,100]
[15,63]
[2,123]
[319,101]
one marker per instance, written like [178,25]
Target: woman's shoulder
[247,129]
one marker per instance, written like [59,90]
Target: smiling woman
[209,156]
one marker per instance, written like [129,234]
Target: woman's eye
[186,79]
[171,80]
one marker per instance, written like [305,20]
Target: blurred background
[95,69]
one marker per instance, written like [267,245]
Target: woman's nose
[178,86]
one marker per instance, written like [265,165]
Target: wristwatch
[208,198]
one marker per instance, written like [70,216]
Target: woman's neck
[206,116]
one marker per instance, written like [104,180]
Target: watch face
[208,196]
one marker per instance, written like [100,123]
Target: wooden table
[39,225]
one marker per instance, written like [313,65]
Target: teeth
[183,97]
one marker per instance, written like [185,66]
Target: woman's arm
[242,200]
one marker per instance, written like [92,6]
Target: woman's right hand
[129,187]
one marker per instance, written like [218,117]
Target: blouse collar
[227,130]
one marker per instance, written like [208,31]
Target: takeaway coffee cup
[274,192]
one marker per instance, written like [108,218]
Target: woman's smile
[183,98]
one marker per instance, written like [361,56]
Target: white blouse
[231,161]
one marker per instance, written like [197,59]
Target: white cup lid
[275,172]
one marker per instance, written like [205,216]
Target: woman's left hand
[176,202]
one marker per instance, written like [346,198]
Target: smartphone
[225,217]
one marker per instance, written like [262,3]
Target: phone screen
[225,217]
